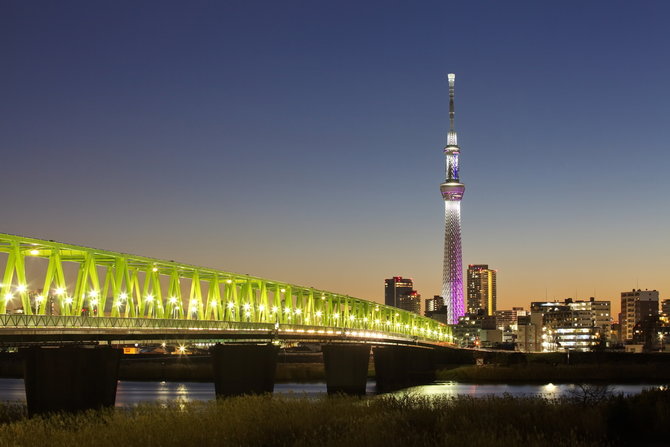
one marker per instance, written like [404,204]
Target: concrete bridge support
[346,367]
[70,378]
[244,369]
[402,366]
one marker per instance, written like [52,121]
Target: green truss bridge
[58,292]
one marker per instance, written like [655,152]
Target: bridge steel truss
[134,289]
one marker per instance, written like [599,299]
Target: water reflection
[132,393]
[548,391]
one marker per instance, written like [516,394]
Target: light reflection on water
[132,393]
[549,390]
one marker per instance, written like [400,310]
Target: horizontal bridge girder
[82,287]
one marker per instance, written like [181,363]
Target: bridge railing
[79,282]
[19,321]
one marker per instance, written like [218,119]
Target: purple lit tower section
[452,192]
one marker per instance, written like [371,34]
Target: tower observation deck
[452,192]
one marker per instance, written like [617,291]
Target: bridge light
[173,299]
[39,298]
[93,293]
[60,291]
[68,300]
[323,297]
[213,302]
[261,308]
[318,313]
[117,303]
[388,322]
[34,252]
[8,296]
[336,316]
[298,311]
[150,298]
[274,309]
[231,305]
[155,269]
[94,302]
[377,321]
[246,306]
[283,290]
[21,288]
[247,314]
[365,319]
[182,349]
[123,295]
[376,308]
[397,314]
[352,318]
[287,310]
[229,281]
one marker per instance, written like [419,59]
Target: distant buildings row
[570,324]
[481,294]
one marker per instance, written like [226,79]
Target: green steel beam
[145,289]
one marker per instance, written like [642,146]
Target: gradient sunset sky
[302,140]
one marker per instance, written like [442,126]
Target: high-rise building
[481,289]
[452,192]
[573,325]
[399,292]
[410,302]
[596,313]
[507,319]
[665,311]
[637,306]
[529,334]
[434,304]
[436,309]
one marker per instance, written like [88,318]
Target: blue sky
[302,140]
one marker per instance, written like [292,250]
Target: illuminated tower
[452,192]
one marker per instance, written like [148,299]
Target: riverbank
[291,367]
[543,373]
[386,421]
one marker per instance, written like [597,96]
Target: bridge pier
[243,369]
[346,367]
[402,366]
[70,378]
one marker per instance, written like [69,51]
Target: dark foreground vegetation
[592,417]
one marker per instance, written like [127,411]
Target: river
[131,393]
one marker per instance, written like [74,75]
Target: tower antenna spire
[452,138]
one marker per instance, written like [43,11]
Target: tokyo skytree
[452,192]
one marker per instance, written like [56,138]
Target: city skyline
[301,141]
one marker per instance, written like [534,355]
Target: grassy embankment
[382,421]
[612,367]
[535,373]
